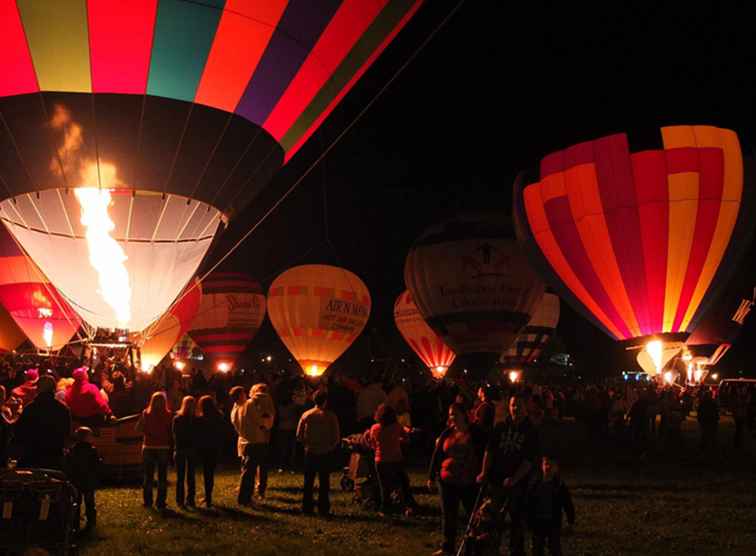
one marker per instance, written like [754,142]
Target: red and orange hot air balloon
[11,335]
[318,311]
[33,303]
[638,237]
[428,346]
[231,311]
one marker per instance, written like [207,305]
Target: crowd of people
[485,441]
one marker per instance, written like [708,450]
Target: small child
[81,467]
[548,496]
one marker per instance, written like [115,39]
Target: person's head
[549,466]
[63,383]
[158,403]
[80,375]
[259,388]
[83,434]
[119,381]
[187,406]
[458,416]
[46,385]
[320,397]
[31,375]
[517,407]
[238,395]
[385,415]
[206,405]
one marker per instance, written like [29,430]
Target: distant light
[715,376]
[179,365]
[269,358]
[465,371]
[669,377]
[402,360]
[514,376]
[224,366]
[147,368]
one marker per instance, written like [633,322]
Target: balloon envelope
[638,236]
[527,347]
[174,115]
[33,303]
[428,346]
[11,335]
[668,352]
[231,312]
[472,283]
[318,311]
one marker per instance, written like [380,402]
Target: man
[318,430]
[510,457]
[43,427]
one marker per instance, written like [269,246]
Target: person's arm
[436,458]
[139,427]
[301,429]
[569,508]
[522,471]
[486,467]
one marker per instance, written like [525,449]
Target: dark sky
[497,88]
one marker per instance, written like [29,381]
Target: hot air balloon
[167,331]
[638,237]
[318,311]
[527,347]
[132,131]
[472,283]
[231,312]
[33,303]
[657,356]
[11,335]
[431,349]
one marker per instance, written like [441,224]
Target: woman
[454,465]
[209,436]
[385,439]
[155,423]
[184,454]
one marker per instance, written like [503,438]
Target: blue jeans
[255,455]
[185,463]
[155,457]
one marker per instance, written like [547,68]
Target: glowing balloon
[527,347]
[133,130]
[11,335]
[431,349]
[656,355]
[33,303]
[231,312]
[639,237]
[318,311]
[472,283]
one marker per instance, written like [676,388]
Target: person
[184,452]
[285,432]
[43,428]
[6,424]
[209,436]
[155,424]
[708,421]
[27,391]
[454,464]
[508,461]
[385,439]
[81,468]
[483,412]
[253,422]
[368,400]
[548,497]
[121,402]
[319,432]
[740,415]
[84,399]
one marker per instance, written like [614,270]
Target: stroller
[486,525]
[360,476]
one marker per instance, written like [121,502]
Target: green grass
[655,506]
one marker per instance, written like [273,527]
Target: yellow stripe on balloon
[58,37]
[683,206]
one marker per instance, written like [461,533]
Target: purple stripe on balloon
[299,29]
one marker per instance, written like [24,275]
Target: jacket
[253,421]
[41,432]
[559,500]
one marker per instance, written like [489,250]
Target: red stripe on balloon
[16,67]
[120,45]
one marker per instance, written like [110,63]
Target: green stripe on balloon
[386,21]
[184,34]
[59,43]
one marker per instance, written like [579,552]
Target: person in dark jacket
[210,430]
[548,497]
[42,429]
[708,421]
[81,467]
[184,455]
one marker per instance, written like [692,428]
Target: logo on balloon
[341,315]
[243,311]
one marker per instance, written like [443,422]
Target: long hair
[206,406]
[158,403]
[385,415]
[187,407]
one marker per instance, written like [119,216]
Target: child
[81,467]
[548,496]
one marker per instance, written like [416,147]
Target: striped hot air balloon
[143,126]
[639,236]
[527,347]
[232,309]
[318,311]
[33,303]
[428,346]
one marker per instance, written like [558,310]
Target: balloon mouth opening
[439,371]
[514,376]
[223,366]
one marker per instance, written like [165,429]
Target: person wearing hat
[28,390]
[42,429]
[85,401]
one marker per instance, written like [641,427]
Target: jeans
[320,465]
[88,497]
[285,442]
[390,476]
[543,533]
[451,496]
[255,456]
[185,462]
[208,459]
[155,457]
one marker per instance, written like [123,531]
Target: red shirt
[386,442]
[157,429]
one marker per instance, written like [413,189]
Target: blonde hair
[63,383]
[187,406]
[158,403]
[259,388]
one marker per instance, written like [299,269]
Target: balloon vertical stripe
[18,71]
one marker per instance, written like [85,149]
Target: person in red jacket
[84,399]
[156,424]
[28,390]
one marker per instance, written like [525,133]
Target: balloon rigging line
[212,155]
[178,148]
[251,177]
[236,165]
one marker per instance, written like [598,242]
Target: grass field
[669,503]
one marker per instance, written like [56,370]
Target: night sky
[497,88]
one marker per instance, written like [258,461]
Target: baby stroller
[485,527]
[360,476]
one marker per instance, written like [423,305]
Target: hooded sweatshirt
[253,420]
[84,399]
